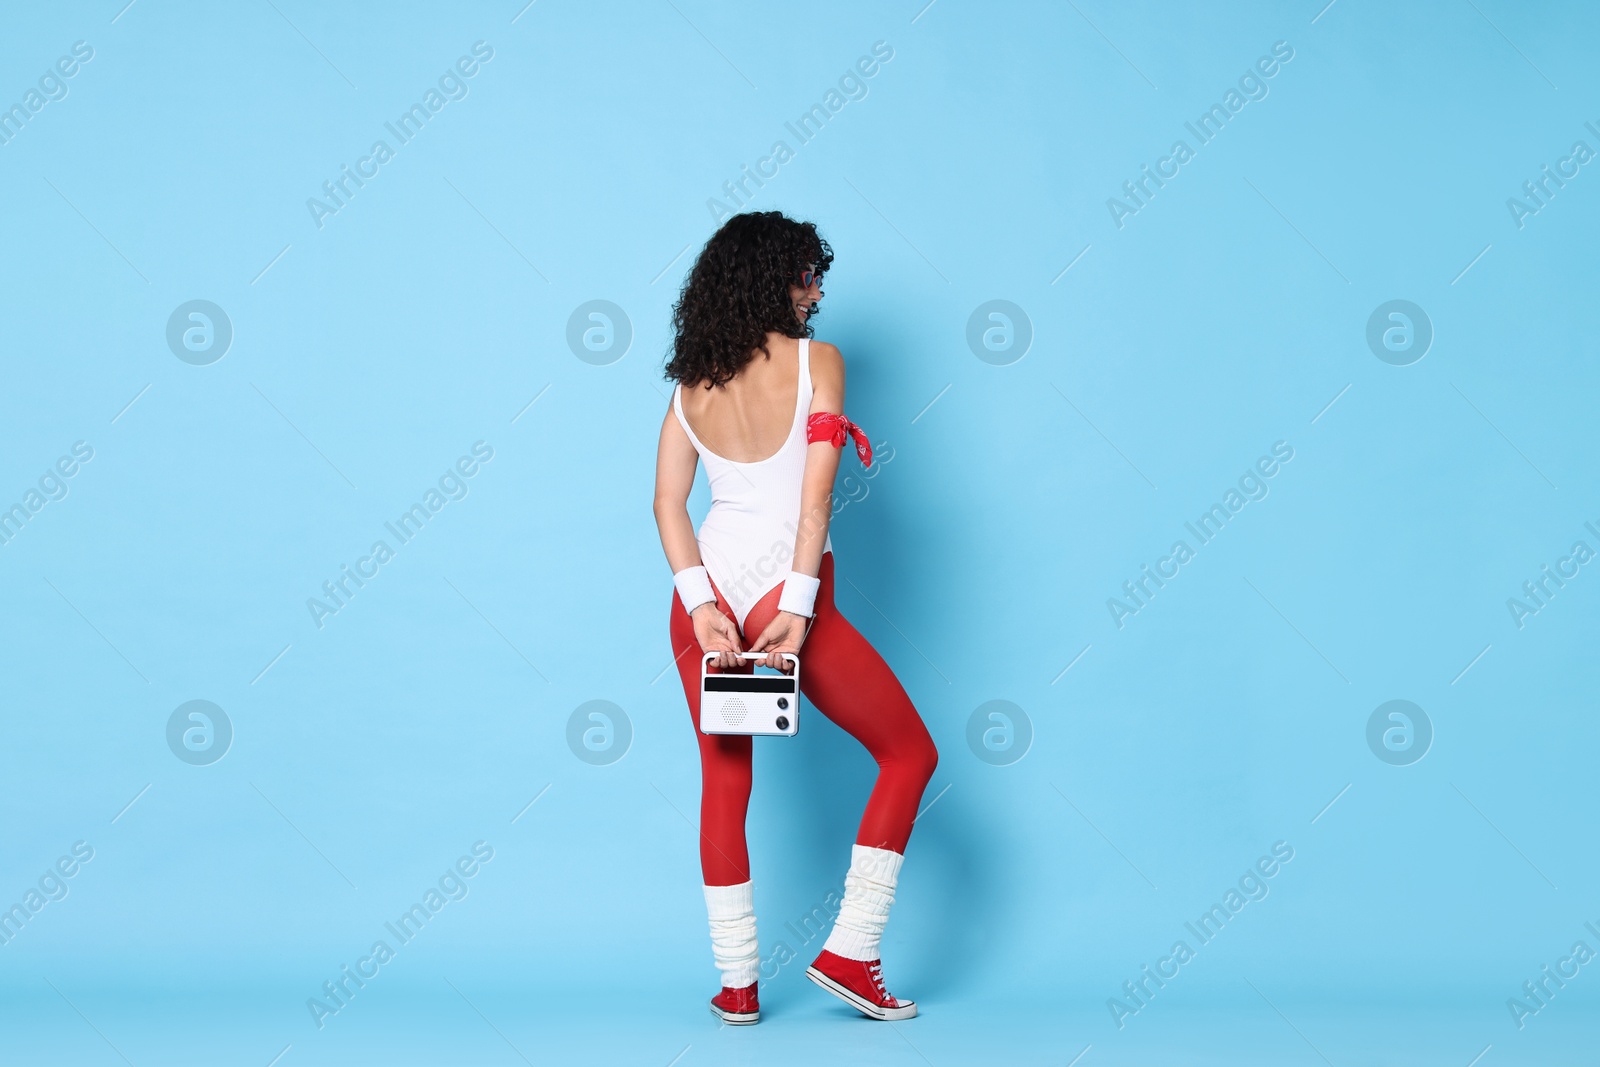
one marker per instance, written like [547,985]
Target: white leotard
[747,537]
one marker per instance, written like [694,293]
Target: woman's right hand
[717,633]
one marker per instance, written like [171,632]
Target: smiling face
[804,298]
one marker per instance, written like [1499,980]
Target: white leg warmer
[732,911]
[868,892]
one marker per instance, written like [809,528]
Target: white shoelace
[875,970]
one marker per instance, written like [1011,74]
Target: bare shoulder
[827,364]
[827,378]
[671,427]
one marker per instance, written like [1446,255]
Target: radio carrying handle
[705,660]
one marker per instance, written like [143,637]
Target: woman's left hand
[785,633]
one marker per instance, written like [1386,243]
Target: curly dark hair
[738,291]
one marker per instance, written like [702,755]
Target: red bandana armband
[834,429]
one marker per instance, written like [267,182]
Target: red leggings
[844,678]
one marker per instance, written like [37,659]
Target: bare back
[749,417]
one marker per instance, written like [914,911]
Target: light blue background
[426,315]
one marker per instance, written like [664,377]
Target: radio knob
[783,702]
[782,722]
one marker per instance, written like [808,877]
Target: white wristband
[799,594]
[694,587]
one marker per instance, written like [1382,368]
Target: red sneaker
[736,1007]
[859,983]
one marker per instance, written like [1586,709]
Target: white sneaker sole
[736,1018]
[907,1009]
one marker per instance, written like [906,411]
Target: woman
[752,386]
